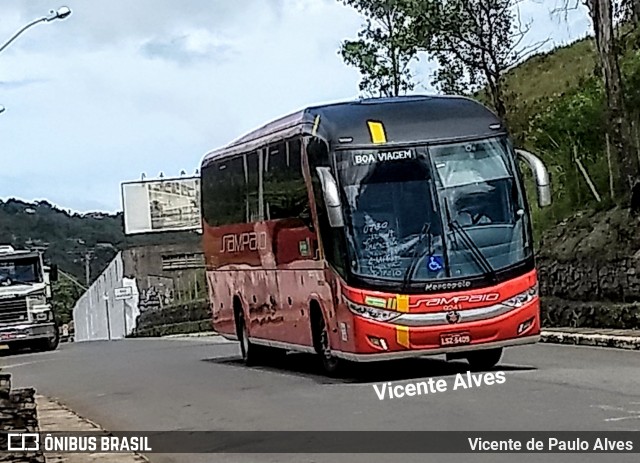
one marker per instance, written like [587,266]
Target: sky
[122,87]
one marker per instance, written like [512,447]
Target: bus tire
[250,352]
[332,365]
[481,360]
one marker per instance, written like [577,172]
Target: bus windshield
[424,214]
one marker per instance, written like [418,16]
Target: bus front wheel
[484,359]
[331,364]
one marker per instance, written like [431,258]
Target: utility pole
[87,267]
[73,280]
[106,302]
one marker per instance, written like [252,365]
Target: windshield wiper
[480,258]
[415,258]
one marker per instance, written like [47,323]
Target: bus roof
[406,119]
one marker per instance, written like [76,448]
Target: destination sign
[383,156]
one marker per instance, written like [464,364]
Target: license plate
[454,339]
[7,336]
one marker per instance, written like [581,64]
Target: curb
[192,335]
[595,340]
[52,415]
[198,337]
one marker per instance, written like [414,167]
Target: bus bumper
[375,341]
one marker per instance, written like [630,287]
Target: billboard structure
[161,205]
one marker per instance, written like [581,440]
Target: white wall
[98,315]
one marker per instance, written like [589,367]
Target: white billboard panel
[161,205]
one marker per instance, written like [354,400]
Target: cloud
[13,84]
[199,45]
[124,87]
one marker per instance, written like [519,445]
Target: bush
[176,328]
[561,313]
[188,317]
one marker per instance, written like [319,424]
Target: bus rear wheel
[481,360]
[250,352]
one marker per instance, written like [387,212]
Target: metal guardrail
[183,261]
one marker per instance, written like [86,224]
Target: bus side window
[285,191]
[333,239]
[224,192]
[253,209]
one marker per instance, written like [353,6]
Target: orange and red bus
[374,229]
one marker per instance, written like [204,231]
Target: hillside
[556,106]
[68,239]
[552,73]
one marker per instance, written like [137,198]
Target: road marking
[628,414]
[21,364]
[634,417]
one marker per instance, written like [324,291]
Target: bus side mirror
[331,197]
[541,176]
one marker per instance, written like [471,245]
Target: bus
[371,230]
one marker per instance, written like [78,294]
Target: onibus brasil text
[57,443]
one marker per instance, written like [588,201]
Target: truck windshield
[19,271]
[449,211]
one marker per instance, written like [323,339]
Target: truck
[26,316]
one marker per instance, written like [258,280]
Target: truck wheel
[45,345]
[481,360]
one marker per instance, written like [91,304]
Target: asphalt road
[197,384]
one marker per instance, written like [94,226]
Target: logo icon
[453,317]
[435,263]
[23,442]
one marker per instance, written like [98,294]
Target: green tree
[474,42]
[385,47]
[625,162]
[65,295]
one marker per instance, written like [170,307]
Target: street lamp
[60,13]
[2,108]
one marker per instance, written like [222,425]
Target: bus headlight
[371,313]
[523,298]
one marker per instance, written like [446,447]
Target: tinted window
[254,212]
[224,192]
[285,191]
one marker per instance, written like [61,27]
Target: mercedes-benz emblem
[453,317]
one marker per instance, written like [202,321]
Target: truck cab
[26,315]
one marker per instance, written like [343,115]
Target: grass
[552,73]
